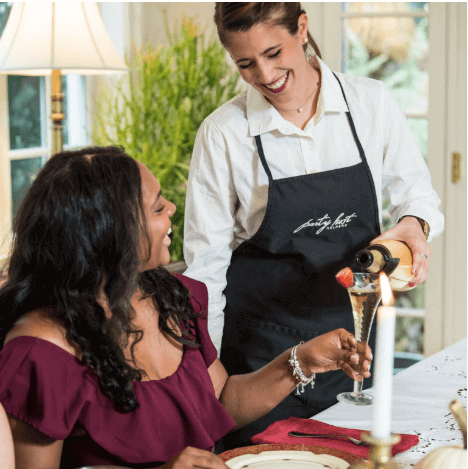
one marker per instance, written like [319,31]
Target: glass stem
[358,388]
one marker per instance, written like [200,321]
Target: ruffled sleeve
[42,393]
[199,302]
[48,388]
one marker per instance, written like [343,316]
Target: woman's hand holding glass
[334,350]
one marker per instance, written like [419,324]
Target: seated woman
[7,455]
[106,357]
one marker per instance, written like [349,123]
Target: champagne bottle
[392,257]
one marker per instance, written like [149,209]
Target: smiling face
[157,212]
[272,60]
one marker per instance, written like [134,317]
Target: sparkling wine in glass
[365,297]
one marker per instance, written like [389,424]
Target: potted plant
[158,107]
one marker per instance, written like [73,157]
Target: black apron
[281,285]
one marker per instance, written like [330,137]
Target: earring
[309,52]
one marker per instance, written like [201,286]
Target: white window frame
[5,187]
[113,15]
[7,155]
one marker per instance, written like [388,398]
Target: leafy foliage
[160,106]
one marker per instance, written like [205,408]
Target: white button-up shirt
[228,187]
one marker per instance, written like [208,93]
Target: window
[389,41]
[26,130]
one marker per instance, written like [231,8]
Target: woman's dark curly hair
[241,16]
[78,229]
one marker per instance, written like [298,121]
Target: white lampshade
[43,36]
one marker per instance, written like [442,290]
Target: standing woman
[285,187]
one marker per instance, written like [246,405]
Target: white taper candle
[383,363]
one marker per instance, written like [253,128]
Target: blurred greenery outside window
[28,122]
[388,41]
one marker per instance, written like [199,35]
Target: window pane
[409,335]
[23,173]
[74,106]
[383,7]
[5,8]
[27,112]
[393,50]
[413,299]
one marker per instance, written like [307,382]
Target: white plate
[287,460]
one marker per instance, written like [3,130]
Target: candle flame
[387,295]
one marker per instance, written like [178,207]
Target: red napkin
[277,433]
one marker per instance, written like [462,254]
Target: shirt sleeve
[406,179]
[209,220]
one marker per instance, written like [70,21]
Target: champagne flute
[365,297]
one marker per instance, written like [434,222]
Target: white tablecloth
[421,396]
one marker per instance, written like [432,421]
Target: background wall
[148,20]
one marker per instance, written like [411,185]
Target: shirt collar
[331,98]
[263,117]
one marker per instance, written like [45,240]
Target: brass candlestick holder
[380,452]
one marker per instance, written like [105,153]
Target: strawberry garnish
[345,277]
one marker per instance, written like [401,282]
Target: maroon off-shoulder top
[51,390]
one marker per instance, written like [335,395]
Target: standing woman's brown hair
[241,16]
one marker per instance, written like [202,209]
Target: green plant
[160,106]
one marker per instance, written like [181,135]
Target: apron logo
[325,223]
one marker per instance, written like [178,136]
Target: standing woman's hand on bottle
[409,231]
[332,351]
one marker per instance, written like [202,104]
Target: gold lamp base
[380,452]
[57,115]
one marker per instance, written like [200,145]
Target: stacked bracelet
[302,379]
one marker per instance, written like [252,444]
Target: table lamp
[57,38]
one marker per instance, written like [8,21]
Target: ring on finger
[425,256]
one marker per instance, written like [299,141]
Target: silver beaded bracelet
[302,379]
